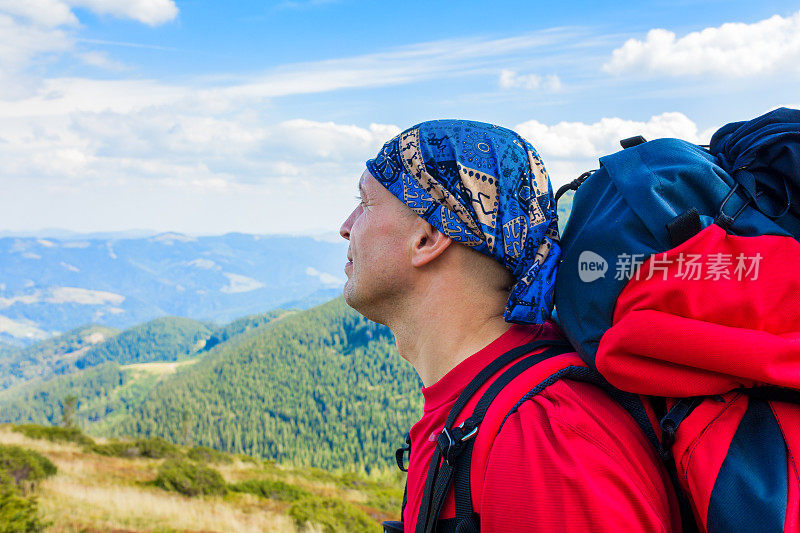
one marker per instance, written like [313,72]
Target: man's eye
[360,200]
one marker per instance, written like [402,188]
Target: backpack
[680,280]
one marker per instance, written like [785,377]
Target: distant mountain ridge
[53,285]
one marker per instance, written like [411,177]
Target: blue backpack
[680,282]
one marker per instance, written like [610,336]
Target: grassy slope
[93,493]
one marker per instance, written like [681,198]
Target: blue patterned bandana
[485,187]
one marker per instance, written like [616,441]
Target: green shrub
[334,516]
[386,499]
[189,478]
[152,447]
[117,448]
[25,467]
[274,490]
[204,454]
[157,448]
[53,433]
[18,514]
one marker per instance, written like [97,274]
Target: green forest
[48,357]
[323,387]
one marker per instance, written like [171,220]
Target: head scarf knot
[485,187]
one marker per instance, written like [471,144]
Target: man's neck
[447,330]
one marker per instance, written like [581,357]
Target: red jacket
[569,459]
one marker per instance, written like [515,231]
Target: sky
[209,117]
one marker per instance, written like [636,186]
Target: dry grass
[75,504]
[93,493]
[8,436]
[158,369]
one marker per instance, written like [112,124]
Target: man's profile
[454,247]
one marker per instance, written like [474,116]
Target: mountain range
[50,285]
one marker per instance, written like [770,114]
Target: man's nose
[344,230]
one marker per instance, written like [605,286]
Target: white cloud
[151,12]
[69,267]
[732,49]
[24,329]
[328,140]
[570,148]
[170,238]
[510,79]
[183,144]
[327,279]
[26,299]
[19,45]
[47,13]
[37,31]
[207,264]
[238,283]
[52,13]
[83,296]
[424,61]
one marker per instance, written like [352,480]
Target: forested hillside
[101,391]
[162,339]
[97,375]
[51,356]
[243,325]
[324,387]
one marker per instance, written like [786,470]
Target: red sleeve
[571,460]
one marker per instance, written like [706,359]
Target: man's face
[380,233]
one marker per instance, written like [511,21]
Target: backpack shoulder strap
[466,520]
[455,444]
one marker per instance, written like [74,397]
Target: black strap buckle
[725,220]
[451,442]
[400,453]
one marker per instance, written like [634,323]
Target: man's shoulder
[540,414]
[572,446]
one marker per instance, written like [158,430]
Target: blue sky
[209,117]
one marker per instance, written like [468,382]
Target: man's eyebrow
[361,190]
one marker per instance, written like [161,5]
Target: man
[456,236]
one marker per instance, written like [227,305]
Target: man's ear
[429,243]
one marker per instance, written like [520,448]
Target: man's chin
[347,293]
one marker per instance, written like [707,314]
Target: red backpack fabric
[704,315]
[735,452]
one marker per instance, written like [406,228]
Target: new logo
[591,266]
